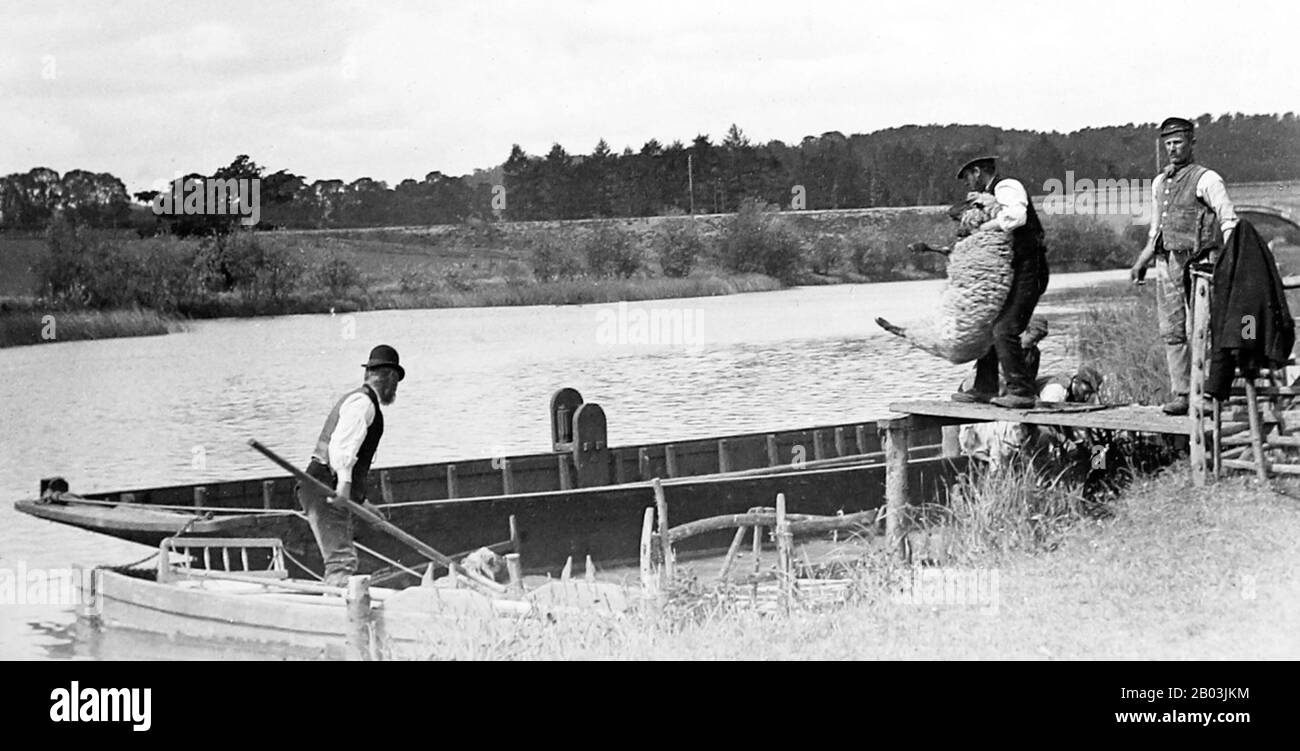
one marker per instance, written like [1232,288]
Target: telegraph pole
[690,179]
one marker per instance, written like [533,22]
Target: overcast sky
[392,90]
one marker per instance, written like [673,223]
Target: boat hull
[603,523]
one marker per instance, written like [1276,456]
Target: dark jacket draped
[1250,322]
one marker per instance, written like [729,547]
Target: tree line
[904,166]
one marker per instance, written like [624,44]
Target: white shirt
[1209,188]
[355,415]
[1014,201]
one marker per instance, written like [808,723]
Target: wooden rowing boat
[263,611]
[583,498]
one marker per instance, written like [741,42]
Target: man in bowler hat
[1191,219]
[342,458]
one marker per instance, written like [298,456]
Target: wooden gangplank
[927,414]
[919,415]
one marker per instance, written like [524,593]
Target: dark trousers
[1029,281]
[331,525]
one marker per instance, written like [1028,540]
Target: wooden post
[819,445]
[670,459]
[643,463]
[567,571]
[1256,436]
[514,534]
[268,493]
[566,475]
[841,442]
[620,474]
[507,478]
[784,552]
[451,481]
[649,574]
[731,553]
[200,496]
[896,439]
[358,605]
[661,507]
[1196,414]
[589,570]
[386,487]
[951,441]
[1217,448]
[773,456]
[515,570]
[861,434]
[724,455]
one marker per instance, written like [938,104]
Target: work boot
[1015,401]
[973,397]
[1178,406]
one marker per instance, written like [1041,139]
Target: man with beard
[342,458]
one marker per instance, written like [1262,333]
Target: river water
[178,409]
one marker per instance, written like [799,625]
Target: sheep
[979,279]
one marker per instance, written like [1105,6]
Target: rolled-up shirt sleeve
[355,415]
[1014,202]
[1210,188]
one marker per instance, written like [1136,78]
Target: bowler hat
[987,161]
[1173,125]
[385,356]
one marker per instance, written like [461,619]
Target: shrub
[454,278]
[337,274]
[756,239]
[878,256]
[242,262]
[825,255]
[678,247]
[1081,243]
[611,251]
[553,260]
[514,272]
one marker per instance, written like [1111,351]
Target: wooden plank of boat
[126,518]
[276,615]
[586,521]
[530,472]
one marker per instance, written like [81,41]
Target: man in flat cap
[1191,217]
[344,450]
[1029,280]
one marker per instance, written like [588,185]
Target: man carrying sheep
[1016,216]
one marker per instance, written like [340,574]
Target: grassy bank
[482,264]
[1175,573]
[27,323]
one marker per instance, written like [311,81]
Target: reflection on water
[175,409]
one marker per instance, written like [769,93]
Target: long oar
[379,522]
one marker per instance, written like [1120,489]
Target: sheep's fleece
[979,278]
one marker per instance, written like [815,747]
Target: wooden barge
[584,498]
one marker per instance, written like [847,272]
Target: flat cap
[1173,125]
